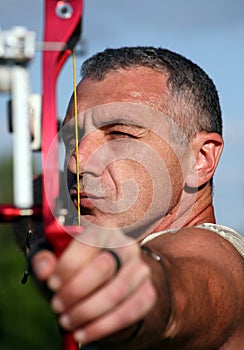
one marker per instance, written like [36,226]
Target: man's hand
[92,297]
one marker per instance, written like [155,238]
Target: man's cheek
[128,184]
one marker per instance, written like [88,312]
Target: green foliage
[26,320]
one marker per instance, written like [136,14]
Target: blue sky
[210,32]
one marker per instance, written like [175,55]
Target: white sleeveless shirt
[227,233]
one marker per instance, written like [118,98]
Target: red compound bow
[62,30]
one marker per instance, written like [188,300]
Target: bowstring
[76,134]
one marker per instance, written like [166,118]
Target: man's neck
[192,210]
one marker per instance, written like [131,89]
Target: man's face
[131,172]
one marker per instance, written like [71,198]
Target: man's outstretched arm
[191,299]
[205,275]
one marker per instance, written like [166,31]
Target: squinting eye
[114,135]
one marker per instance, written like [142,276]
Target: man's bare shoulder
[193,255]
[198,246]
[195,241]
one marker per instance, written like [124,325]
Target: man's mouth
[86,199]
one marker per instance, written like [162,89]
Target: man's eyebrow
[130,122]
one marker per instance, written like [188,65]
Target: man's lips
[86,199]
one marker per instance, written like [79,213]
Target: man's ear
[206,149]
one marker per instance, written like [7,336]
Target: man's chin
[89,219]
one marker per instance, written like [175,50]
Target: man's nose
[80,155]
[82,160]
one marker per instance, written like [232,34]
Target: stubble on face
[137,192]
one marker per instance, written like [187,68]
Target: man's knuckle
[117,293]
[105,263]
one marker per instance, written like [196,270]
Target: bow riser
[62,25]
